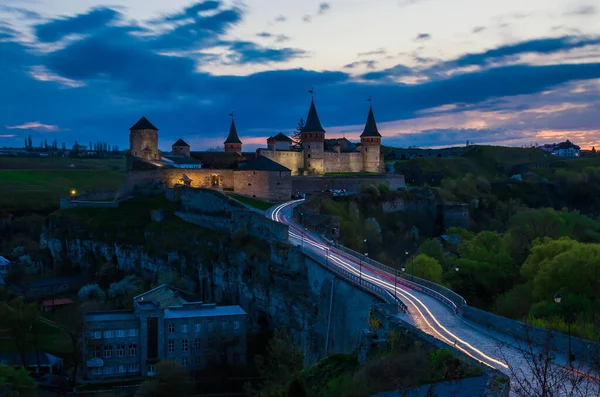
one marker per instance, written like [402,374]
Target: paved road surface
[430,315]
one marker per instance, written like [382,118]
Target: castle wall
[343,162]
[371,153]
[266,185]
[155,180]
[181,151]
[293,160]
[314,153]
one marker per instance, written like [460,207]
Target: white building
[566,149]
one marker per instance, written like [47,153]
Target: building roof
[344,143]
[566,145]
[185,178]
[143,124]
[4,261]
[281,138]
[53,281]
[182,160]
[313,124]
[204,311]
[57,302]
[162,296]
[45,359]
[370,126]
[110,315]
[181,142]
[261,163]
[233,135]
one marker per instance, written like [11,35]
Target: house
[44,363]
[566,149]
[50,287]
[165,324]
[50,304]
[4,266]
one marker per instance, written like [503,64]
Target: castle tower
[312,137]
[370,145]
[143,140]
[233,143]
[181,148]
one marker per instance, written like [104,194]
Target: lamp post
[304,236]
[557,299]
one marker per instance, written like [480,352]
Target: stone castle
[264,174]
[317,155]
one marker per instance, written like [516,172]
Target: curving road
[428,314]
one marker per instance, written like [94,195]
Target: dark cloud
[370,64]
[584,10]
[246,52]
[279,38]
[395,71]
[83,23]
[323,8]
[379,51]
[19,11]
[280,18]
[423,36]
[478,29]
[452,136]
[194,11]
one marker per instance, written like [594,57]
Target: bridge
[428,306]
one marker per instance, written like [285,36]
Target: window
[133,367]
[109,334]
[151,369]
[96,352]
[209,343]
[171,346]
[236,325]
[197,327]
[308,155]
[197,344]
[120,333]
[198,360]
[107,351]
[249,184]
[184,328]
[97,371]
[184,345]
[96,334]
[171,328]
[132,350]
[209,326]
[120,350]
[132,332]
[184,361]
[107,370]
[121,368]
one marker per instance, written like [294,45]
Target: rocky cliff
[273,282]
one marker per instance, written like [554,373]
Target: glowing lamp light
[557,298]
[73,192]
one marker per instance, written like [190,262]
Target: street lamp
[557,299]
[73,192]
[457,268]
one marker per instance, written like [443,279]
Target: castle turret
[233,143]
[370,145]
[181,148]
[312,137]
[143,140]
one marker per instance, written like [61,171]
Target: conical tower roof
[233,136]
[313,124]
[370,126]
[143,124]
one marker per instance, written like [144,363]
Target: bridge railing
[348,276]
[443,294]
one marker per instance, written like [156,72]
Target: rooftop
[281,137]
[313,124]
[110,315]
[370,126]
[233,135]
[261,163]
[181,142]
[143,124]
[182,160]
[204,311]
[162,296]
[53,281]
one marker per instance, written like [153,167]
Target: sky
[438,72]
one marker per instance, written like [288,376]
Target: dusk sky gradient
[440,72]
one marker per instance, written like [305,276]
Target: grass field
[252,202]
[37,184]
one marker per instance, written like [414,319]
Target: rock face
[275,283]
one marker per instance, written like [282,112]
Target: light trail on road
[349,263]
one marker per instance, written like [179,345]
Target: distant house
[50,304]
[44,363]
[566,149]
[182,162]
[46,288]
[4,266]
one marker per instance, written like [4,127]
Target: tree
[282,362]
[432,248]
[426,267]
[19,317]
[91,292]
[54,145]
[297,132]
[29,143]
[171,379]
[122,292]
[173,279]
[63,146]
[16,382]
